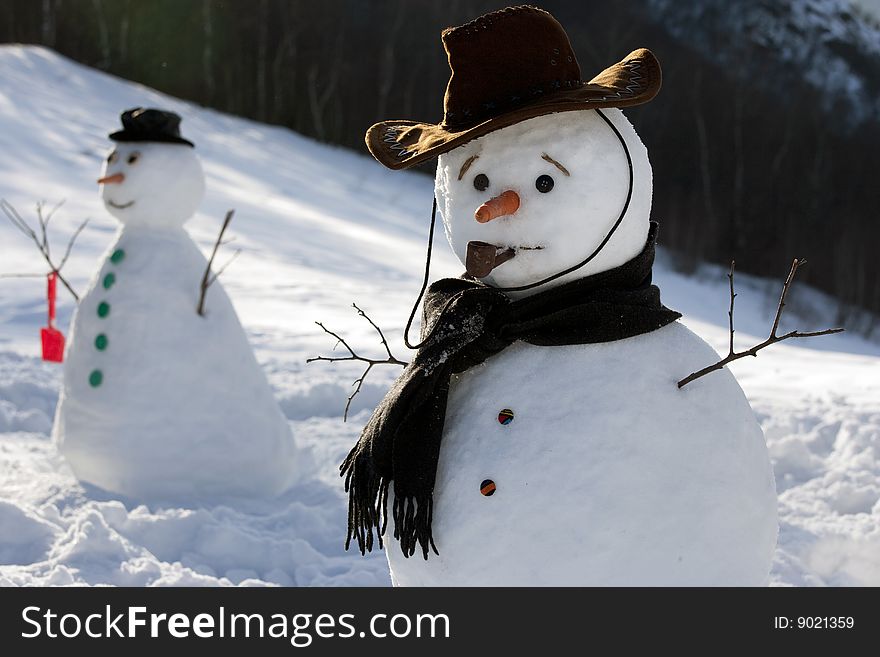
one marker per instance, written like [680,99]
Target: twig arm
[65,283]
[71,242]
[207,279]
[786,286]
[42,242]
[391,359]
[354,356]
[773,338]
[224,266]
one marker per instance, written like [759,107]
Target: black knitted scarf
[466,322]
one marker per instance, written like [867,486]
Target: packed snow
[583,485]
[590,452]
[320,228]
[161,402]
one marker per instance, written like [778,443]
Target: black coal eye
[112,157]
[544,183]
[134,158]
[481,182]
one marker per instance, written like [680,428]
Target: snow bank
[321,227]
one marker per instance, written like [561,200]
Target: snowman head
[152,177]
[533,160]
[545,193]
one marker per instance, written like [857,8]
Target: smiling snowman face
[546,192]
[152,184]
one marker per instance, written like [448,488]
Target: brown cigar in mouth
[483,257]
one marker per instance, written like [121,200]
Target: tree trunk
[388,58]
[47,27]
[262,59]
[207,51]
[103,35]
[705,163]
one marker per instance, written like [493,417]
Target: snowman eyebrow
[559,166]
[467,165]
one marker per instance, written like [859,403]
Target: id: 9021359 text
[814,623]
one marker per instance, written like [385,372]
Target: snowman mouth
[482,257]
[121,206]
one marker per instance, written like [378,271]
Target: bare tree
[739,167]
[124,30]
[104,34]
[732,157]
[389,57]
[322,87]
[47,26]
[207,50]
[284,78]
[782,151]
[262,59]
[705,162]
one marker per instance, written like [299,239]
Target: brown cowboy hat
[508,66]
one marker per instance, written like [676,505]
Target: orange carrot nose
[502,205]
[115,178]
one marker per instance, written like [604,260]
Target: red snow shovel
[52,338]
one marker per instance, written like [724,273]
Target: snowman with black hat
[160,402]
[538,437]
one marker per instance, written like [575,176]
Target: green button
[101,342]
[117,257]
[95,378]
[109,280]
[103,309]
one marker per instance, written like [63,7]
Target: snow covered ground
[320,228]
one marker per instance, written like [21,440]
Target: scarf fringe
[368,509]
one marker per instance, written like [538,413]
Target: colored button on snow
[505,417]
[103,309]
[117,257]
[109,280]
[487,488]
[101,342]
[95,378]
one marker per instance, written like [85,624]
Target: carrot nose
[115,178]
[502,205]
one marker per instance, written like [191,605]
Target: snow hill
[320,228]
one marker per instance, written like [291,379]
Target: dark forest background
[744,167]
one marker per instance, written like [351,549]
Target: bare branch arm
[391,358]
[71,242]
[16,220]
[794,267]
[64,282]
[44,235]
[354,356]
[206,277]
[225,265]
[773,337]
[54,210]
[42,242]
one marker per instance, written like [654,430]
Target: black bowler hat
[139,124]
